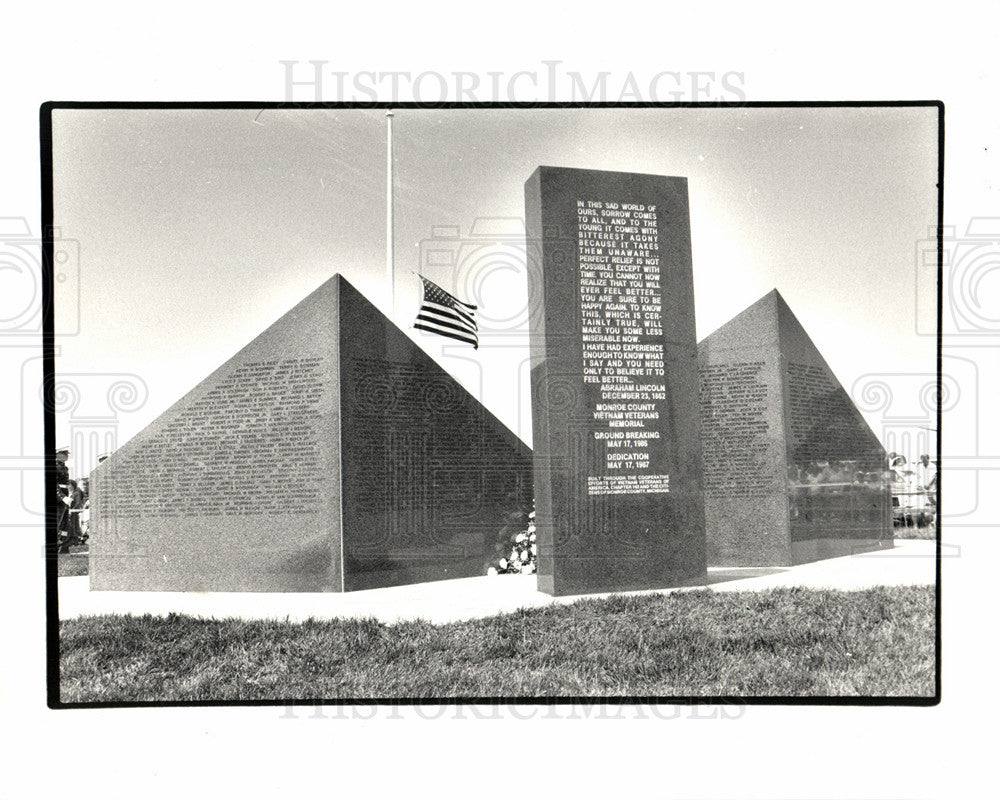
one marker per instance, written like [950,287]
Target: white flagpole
[390,271]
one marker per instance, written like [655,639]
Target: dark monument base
[793,473]
[330,454]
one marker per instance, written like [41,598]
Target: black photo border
[48,366]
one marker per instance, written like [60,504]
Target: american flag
[445,315]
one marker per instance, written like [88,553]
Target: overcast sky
[198,229]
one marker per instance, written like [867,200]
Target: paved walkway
[910,562]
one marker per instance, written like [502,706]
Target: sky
[191,231]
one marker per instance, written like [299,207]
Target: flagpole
[389,267]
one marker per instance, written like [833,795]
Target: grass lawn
[915,532]
[785,642]
[73,564]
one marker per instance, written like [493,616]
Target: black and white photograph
[398,403]
[537,399]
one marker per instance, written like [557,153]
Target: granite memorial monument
[793,473]
[614,381]
[330,454]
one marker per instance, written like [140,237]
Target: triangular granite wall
[793,473]
[330,454]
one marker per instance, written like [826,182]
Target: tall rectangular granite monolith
[614,382]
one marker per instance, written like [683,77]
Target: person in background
[62,493]
[74,506]
[85,511]
[927,472]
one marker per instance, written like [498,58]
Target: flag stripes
[462,337]
[446,315]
